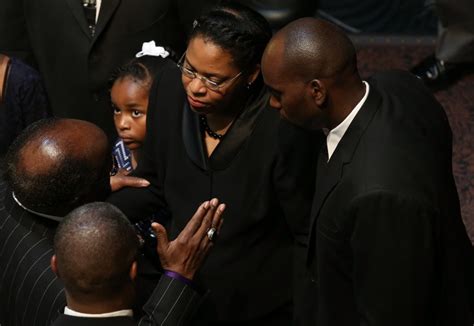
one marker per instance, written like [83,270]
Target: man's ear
[254,74]
[133,271]
[318,92]
[54,265]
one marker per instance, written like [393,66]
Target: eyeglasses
[210,84]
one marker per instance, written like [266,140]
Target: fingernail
[221,208]
[214,202]
[206,204]
[145,183]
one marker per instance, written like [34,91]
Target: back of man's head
[95,248]
[56,165]
[314,48]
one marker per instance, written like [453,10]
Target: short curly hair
[95,246]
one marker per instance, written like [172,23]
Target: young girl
[131,85]
[130,88]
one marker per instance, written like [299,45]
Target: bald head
[95,247]
[310,69]
[51,142]
[57,164]
[312,49]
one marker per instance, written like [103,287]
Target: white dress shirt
[97,9]
[119,313]
[335,135]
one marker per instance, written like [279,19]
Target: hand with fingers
[186,253]
[122,179]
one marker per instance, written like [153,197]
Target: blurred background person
[454,55]
[23,99]
[76,44]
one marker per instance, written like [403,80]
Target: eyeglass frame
[211,85]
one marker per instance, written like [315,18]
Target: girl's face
[208,60]
[130,102]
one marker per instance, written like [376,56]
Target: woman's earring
[249,85]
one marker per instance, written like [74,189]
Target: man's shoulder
[408,107]
[29,290]
[396,77]
[401,88]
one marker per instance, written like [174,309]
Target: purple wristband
[179,277]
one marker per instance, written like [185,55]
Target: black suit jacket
[261,169]
[76,66]
[172,303]
[31,294]
[388,245]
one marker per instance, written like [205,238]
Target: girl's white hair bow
[150,48]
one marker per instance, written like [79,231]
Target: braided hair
[141,70]
[241,31]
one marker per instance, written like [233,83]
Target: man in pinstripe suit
[30,293]
[53,167]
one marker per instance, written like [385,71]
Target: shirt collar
[335,135]
[119,313]
[97,10]
[48,216]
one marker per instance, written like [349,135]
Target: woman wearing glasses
[211,134]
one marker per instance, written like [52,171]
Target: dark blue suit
[24,101]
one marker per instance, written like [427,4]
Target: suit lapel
[230,144]
[107,9]
[78,12]
[329,175]
[239,132]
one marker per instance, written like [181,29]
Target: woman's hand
[186,253]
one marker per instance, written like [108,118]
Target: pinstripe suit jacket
[32,295]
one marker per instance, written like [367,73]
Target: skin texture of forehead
[213,57]
[67,139]
[130,90]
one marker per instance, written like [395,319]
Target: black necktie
[90,12]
